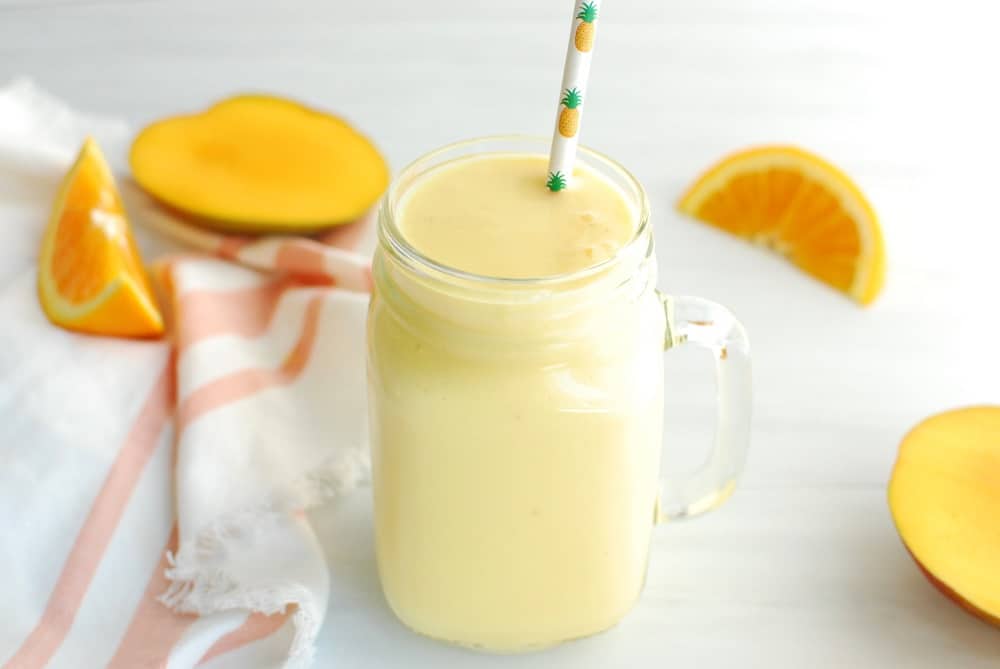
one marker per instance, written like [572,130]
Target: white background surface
[802,567]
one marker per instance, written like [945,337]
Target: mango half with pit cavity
[945,500]
[255,163]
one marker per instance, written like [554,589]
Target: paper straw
[572,94]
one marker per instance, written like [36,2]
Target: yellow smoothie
[516,429]
[487,215]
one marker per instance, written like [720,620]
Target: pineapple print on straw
[569,115]
[576,70]
[583,38]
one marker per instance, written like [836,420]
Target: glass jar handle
[692,320]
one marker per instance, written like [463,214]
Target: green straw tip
[556,182]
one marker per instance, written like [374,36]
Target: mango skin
[954,596]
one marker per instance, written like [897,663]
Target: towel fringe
[199,585]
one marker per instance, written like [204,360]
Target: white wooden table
[802,567]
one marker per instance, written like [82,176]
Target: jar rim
[390,235]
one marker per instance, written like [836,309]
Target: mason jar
[517,424]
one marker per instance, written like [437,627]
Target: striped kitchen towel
[152,492]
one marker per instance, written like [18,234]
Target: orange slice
[90,275]
[799,205]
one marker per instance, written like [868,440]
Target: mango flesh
[945,500]
[255,163]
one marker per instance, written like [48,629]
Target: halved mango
[255,163]
[945,500]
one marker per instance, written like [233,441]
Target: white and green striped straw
[572,94]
